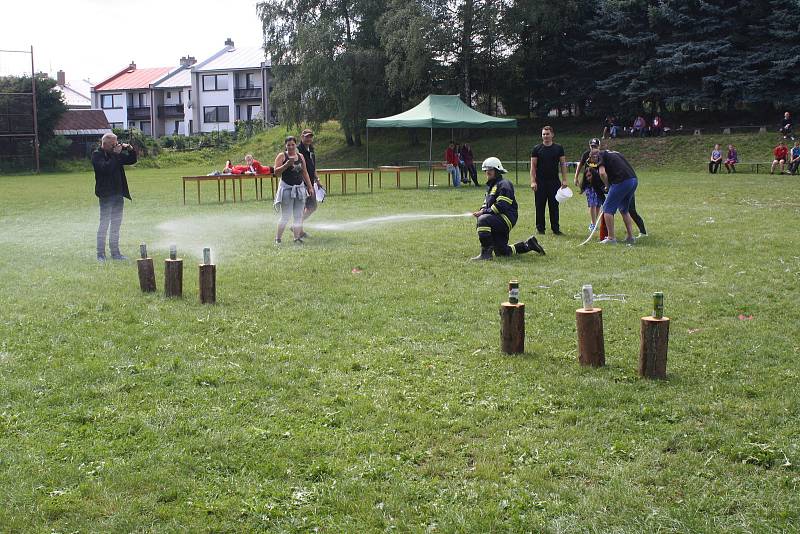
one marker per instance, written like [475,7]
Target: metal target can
[513,292]
[587,297]
[143,251]
[658,305]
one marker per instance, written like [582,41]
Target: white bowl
[563,194]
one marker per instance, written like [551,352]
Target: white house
[171,97]
[233,84]
[76,94]
[126,97]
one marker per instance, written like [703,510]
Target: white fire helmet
[493,163]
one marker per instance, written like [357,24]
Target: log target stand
[173,274]
[512,322]
[589,322]
[147,276]
[654,341]
[208,279]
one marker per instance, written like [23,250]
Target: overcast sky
[94,39]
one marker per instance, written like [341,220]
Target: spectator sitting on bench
[716,160]
[781,153]
[731,159]
[657,127]
[786,126]
[251,166]
[794,161]
[639,127]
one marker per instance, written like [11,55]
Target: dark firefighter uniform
[498,217]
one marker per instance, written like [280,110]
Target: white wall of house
[119,99]
[216,98]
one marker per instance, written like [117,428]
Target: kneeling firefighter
[498,215]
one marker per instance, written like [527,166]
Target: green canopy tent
[440,111]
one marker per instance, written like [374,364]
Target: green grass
[315,397]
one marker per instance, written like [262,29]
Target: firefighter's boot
[486,254]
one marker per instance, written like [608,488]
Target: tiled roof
[82,121]
[132,79]
[233,59]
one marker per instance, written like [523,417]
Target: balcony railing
[250,93]
[173,111]
[141,113]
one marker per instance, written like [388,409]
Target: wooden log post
[591,349]
[208,283]
[147,276]
[173,278]
[653,347]
[512,328]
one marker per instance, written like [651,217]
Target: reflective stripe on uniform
[502,198]
[507,220]
[494,209]
[513,249]
[485,229]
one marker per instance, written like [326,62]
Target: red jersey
[781,152]
[450,156]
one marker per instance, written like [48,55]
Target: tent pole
[430,159]
[368,146]
[516,155]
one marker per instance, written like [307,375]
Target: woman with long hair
[293,189]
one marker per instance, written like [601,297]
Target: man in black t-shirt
[620,178]
[546,160]
[306,148]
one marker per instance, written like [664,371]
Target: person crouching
[498,215]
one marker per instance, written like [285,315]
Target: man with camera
[111,187]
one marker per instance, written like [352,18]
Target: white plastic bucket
[563,194]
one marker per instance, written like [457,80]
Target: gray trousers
[110,221]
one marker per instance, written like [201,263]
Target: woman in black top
[294,187]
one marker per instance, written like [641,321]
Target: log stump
[208,284]
[591,349]
[173,278]
[147,275]
[653,347]
[512,328]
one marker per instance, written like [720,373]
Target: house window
[215,114]
[253,111]
[144,126]
[177,127]
[250,80]
[169,95]
[215,82]
[111,101]
[116,125]
[131,125]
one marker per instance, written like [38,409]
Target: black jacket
[501,201]
[109,173]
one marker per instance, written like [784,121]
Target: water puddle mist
[224,234]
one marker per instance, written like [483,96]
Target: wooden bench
[397,169]
[355,171]
[754,165]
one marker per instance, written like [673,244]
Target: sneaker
[540,232]
[629,241]
[304,235]
[591,227]
[101,258]
[298,241]
[118,257]
[642,234]
[608,241]
[277,240]
[558,232]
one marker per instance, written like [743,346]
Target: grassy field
[355,384]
